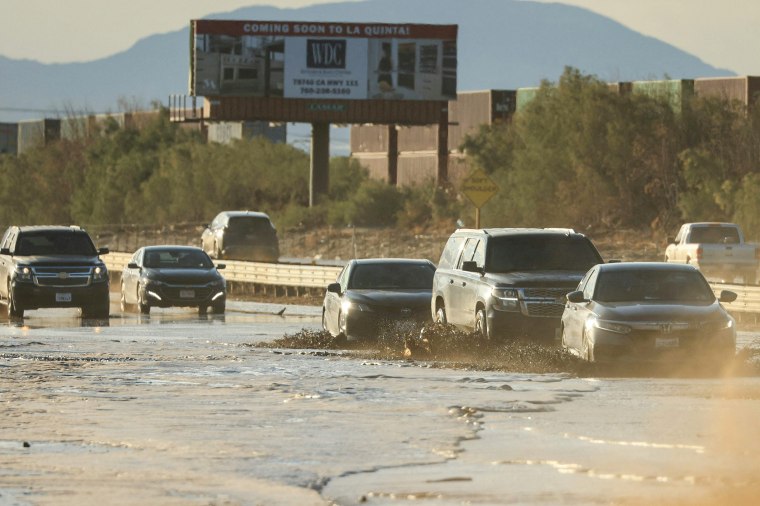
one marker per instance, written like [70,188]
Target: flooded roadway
[175,409]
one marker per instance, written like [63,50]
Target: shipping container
[377,165]
[477,108]
[524,97]
[369,138]
[228,131]
[414,168]
[743,89]
[621,88]
[418,138]
[676,92]
[75,127]
[8,138]
[33,133]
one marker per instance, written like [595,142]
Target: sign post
[479,188]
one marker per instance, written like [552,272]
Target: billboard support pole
[320,161]
[392,155]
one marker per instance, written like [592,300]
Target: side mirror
[103,251]
[576,297]
[334,288]
[614,261]
[470,266]
[219,267]
[727,296]
[132,265]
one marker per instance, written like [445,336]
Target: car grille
[62,276]
[543,302]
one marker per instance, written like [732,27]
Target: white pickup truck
[716,249]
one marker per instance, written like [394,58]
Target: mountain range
[503,44]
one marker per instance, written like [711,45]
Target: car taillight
[699,253]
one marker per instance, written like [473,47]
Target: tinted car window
[54,243]
[652,284]
[450,253]
[727,235]
[249,225]
[540,252]
[401,276]
[177,259]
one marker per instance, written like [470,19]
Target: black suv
[510,282]
[52,266]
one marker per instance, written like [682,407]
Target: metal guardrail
[258,273]
[319,276]
[747,300]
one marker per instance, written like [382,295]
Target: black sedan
[372,292]
[647,310]
[166,276]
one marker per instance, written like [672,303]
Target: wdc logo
[325,54]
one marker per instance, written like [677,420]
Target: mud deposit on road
[445,346]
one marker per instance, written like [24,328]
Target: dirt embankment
[346,243]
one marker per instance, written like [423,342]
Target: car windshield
[177,259]
[48,242]
[402,276]
[642,285]
[539,253]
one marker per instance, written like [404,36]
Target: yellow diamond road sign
[479,188]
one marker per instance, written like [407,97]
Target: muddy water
[174,409]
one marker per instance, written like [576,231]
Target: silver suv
[510,282]
[241,235]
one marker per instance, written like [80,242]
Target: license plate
[63,297]
[187,294]
[666,342]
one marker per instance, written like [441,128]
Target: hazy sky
[723,33]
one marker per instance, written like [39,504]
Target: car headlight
[99,273]
[217,283]
[505,299]
[23,273]
[152,283]
[610,326]
[347,306]
[718,325]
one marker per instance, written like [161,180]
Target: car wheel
[481,324]
[219,307]
[14,311]
[587,351]
[440,315]
[142,304]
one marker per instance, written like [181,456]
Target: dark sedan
[645,310]
[371,292]
[166,276]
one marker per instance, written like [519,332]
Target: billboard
[354,61]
